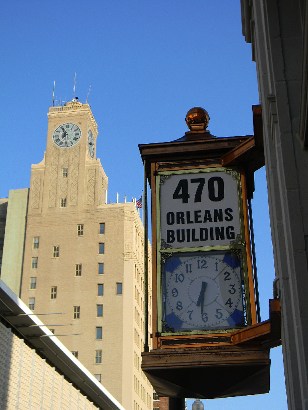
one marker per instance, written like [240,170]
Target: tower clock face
[91,143]
[66,135]
[202,291]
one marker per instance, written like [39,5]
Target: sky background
[146,64]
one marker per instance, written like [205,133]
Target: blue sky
[147,64]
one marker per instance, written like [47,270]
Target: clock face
[202,291]
[66,135]
[91,143]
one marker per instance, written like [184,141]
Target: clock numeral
[190,312]
[201,263]
[179,305]
[179,277]
[174,292]
[229,303]
[205,317]
[216,266]
[218,314]
[227,276]
[232,289]
[188,268]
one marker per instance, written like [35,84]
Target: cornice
[73,107]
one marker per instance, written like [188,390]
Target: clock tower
[70,176]
[82,263]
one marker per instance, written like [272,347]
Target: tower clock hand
[200,301]
[66,138]
[63,135]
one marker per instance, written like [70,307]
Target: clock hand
[201,296]
[66,137]
[63,135]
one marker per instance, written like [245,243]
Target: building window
[34,262]
[80,229]
[101,228]
[119,288]
[100,289]
[33,282]
[76,312]
[101,248]
[99,310]
[53,292]
[63,203]
[65,172]
[78,269]
[155,396]
[100,268]
[56,251]
[98,377]
[36,242]
[75,353]
[98,356]
[32,303]
[99,332]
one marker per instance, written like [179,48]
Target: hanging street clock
[201,251]
[207,336]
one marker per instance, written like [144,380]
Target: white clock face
[91,143]
[202,291]
[66,135]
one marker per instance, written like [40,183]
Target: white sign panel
[199,209]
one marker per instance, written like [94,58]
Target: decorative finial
[197,119]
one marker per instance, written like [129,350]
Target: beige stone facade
[83,259]
[37,371]
[28,382]
[13,249]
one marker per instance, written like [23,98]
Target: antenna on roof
[53,93]
[90,86]
[74,88]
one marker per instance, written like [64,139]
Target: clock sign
[199,208]
[200,250]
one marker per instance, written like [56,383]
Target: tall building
[278,33]
[79,261]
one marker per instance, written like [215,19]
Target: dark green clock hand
[63,135]
[200,301]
